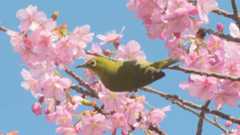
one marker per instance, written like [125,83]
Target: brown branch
[220,126]
[227,37]
[180,102]
[224,13]
[2,29]
[81,82]
[201,118]
[194,71]
[79,89]
[157,130]
[235,13]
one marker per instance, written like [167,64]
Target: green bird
[120,76]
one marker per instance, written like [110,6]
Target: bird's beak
[82,66]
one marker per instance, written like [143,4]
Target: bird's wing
[163,63]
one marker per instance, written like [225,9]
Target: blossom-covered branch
[180,102]
[81,82]
[47,48]
[195,71]
[227,37]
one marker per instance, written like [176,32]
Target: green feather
[126,75]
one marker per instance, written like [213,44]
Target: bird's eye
[92,63]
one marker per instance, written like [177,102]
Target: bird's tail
[164,63]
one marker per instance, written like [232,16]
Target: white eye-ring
[92,63]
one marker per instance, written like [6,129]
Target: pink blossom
[234,30]
[72,47]
[111,37]
[34,48]
[82,34]
[131,51]
[97,49]
[29,82]
[227,93]
[134,110]
[37,109]
[55,87]
[176,50]
[157,115]
[66,131]
[235,132]
[204,7]
[16,39]
[201,86]
[113,101]
[161,17]
[232,64]
[93,125]
[61,116]
[30,18]
[228,123]
[220,27]
[119,121]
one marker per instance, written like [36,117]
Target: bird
[126,76]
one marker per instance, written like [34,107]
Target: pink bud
[46,111]
[228,123]
[177,35]
[220,27]
[41,99]
[37,109]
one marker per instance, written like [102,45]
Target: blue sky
[103,16]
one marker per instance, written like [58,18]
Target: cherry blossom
[93,125]
[161,17]
[234,30]
[37,109]
[204,7]
[111,37]
[31,18]
[157,115]
[130,51]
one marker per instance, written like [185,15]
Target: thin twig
[224,13]
[2,29]
[201,118]
[157,130]
[79,89]
[180,102]
[235,13]
[198,115]
[219,125]
[81,82]
[194,71]
[227,37]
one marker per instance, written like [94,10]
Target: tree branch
[227,37]
[79,89]
[201,118]
[180,102]
[157,130]
[235,13]
[81,82]
[2,29]
[194,71]
[224,13]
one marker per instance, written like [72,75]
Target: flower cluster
[162,16]
[48,48]
[206,54]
